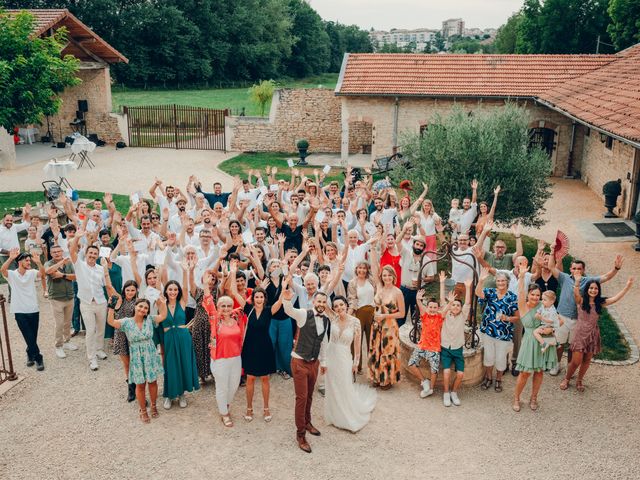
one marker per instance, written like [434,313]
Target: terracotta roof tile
[462,75]
[607,98]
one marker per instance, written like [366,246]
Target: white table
[61,170]
[29,134]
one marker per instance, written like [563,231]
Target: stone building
[94,91]
[584,109]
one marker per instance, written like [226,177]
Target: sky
[387,14]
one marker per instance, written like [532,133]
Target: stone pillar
[344,145]
[7,151]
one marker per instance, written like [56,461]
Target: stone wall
[313,114]
[360,136]
[414,112]
[96,89]
[600,164]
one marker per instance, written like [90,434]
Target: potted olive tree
[302,146]
[611,191]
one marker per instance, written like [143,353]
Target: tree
[32,71]
[438,42]
[491,146]
[465,45]
[507,34]
[624,28]
[262,94]
[310,51]
[528,39]
[345,38]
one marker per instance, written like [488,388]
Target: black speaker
[83,105]
[79,114]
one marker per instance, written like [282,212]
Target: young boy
[550,319]
[452,341]
[429,346]
[455,217]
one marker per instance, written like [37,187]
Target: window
[609,143]
[423,128]
[588,132]
[543,138]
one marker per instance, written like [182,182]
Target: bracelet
[616,268]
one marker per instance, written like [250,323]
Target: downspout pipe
[394,140]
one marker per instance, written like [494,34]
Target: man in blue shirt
[567,308]
[216,196]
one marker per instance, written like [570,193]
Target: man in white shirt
[308,353]
[9,231]
[24,301]
[470,210]
[93,303]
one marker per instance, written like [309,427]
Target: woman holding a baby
[538,334]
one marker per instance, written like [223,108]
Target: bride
[347,405]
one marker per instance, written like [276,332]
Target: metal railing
[6,362]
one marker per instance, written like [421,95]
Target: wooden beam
[88,52]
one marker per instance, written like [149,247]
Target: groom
[308,353]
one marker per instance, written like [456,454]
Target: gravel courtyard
[69,422]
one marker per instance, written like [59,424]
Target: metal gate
[176,126]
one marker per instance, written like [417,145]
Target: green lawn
[614,345]
[9,201]
[233,98]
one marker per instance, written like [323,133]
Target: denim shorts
[432,357]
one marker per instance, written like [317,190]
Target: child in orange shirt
[428,348]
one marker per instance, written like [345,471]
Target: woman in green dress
[180,369]
[145,365]
[531,359]
[115,275]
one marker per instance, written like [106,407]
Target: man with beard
[216,196]
[308,354]
[410,259]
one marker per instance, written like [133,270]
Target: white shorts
[495,352]
[564,334]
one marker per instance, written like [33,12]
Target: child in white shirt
[455,217]
[548,315]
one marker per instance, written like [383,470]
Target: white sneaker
[101,355]
[554,371]
[93,365]
[183,402]
[167,403]
[455,399]
[70,346]
[426,393]
[446,399]
[60,353]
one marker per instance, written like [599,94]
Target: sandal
[579,386]
[226,420]
[516,406]
[533,404]
[249,415]
[154,411]
[144,416]
[267,415]
[498,386]
[486,383]
[564,384]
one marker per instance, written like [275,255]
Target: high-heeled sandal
[516,406]
[579,386]
[144,416]
[226,420]
[154,411]
[564,384]
[533,404]
[267,415]
[249,415]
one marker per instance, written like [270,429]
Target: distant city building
[420,38]
[453,26]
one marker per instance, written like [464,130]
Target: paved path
[68,422]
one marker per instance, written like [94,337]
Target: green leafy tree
[529,30]
[32,71]
[310,54]
[465,45]
[624,28]
[345,38]
[491,146]
[507,34]
[438,42]
[391,48]
[262,93]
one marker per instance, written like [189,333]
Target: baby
[548,315]
[455,217]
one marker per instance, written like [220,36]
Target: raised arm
[617,265]
[13,254]
[516,233]
[618,296]
[474,191]
[484,273]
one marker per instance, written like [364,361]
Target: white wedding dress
[347,405]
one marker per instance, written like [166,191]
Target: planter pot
[610,202]
[302,152]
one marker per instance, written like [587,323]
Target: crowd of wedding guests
[292,277]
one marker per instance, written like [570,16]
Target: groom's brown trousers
[304,380]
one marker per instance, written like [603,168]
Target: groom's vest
[308,342]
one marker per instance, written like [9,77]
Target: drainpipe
[394,140]
[571,147]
